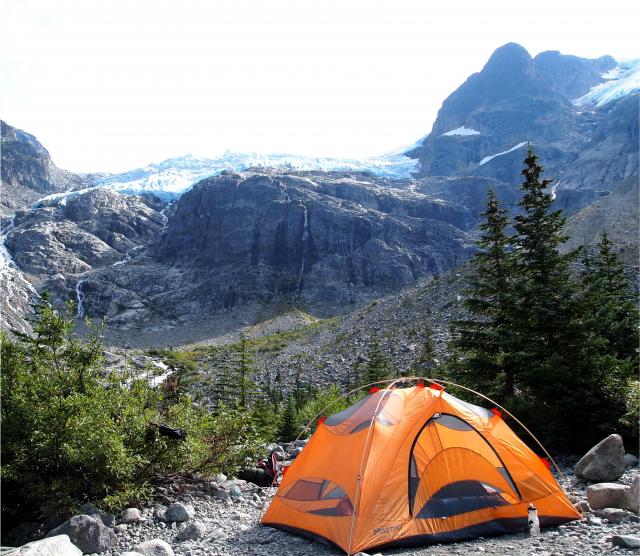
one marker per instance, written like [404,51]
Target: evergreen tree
[565,385]
[426,360]
[610,308]
[287,430]
[378,366]
[235,386]
[265,419]
[484,338]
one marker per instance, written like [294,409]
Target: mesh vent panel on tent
[318,496]
[358,417]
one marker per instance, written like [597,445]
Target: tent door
[454,469]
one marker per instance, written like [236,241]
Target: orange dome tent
[411,466]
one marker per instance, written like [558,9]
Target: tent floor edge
[494,528]
[304,533]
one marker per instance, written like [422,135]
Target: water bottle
[534,522]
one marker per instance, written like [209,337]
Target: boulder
[154,547]
[89,509]
[626,541]
[130,515]
[604,462]
[87,533]
[129,553]
[634,494]
[179,512]
[59,545]
[607,495]
[192,532]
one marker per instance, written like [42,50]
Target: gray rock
[130,515]
[607,495]
[216,534]
[154,547]
[626,541]
[582,506]
[630,460]
[59,545]
[223,495]
[89,509]
[613,515]
[634,494]
[594,520]
[219,478]
[192,532]
[88,534]
[130,553]
[179,512]
[604,462]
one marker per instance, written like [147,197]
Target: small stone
[613,515]
[219,478]
[596,521]
[192,532]
[179,513]
[154,547]
[216,534]
[222,495]
[130,515]
[626,541]
[120,528]
[582,506]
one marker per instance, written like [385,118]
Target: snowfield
[621,81]
[461,131]
[172,177]
[491,157]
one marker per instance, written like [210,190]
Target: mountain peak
[509,59]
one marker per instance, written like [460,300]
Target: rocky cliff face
[28,173]
[483,128]
[329,240]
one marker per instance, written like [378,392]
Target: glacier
[172,177]
[621,81]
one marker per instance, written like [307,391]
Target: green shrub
[72,433]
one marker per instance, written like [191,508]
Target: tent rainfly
[412,466]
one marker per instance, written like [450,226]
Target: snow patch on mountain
[172,177]
[491,157]
[621,81]
[461,131]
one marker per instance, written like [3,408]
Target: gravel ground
[232,528]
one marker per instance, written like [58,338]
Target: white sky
[113,85]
